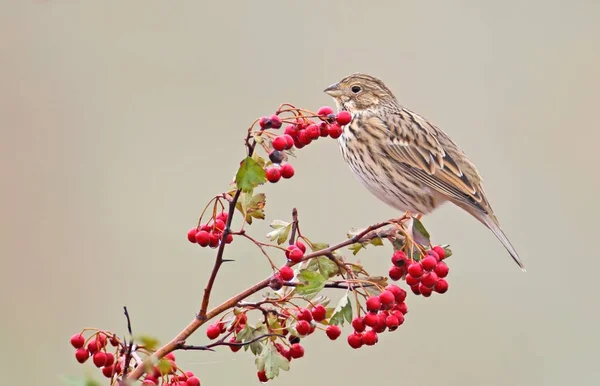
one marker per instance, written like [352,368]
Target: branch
[130,346]
[338,284]
[294,226]
[222,342]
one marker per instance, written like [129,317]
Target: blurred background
[120,120]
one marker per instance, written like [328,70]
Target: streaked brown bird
[405,160]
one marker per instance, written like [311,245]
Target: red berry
[193,381]
[82,355]
[303,327]
[148,382]
[429,279]
[399,293]
[276,282]
[229,239]
[440,251]
[110,359]
[441,269]
[304,137]
[380,326]
[99,359]
[192,235]
[343,118]
[335,130]
[358,324]
[373,304]
[292,131]
[399,259]
[325,111]
[287,171]
[415,269]
[313,131]
[433,253]
[234,348]
[411,280]
[286,273]
[203,238]
[295,254]
[333,332]
[403,308]
[370,319]
[273,174]
[214,239]
[305,314]
[220,225]
[298,144]
[370,338]
[280,143]
[429,263]
[264,122]
[296,351]
[301,246]
[101,339]
[392,322]
[324,129]
[289,141]
[319,313]
[355,340]
[425,291]
[387,298]
[416,289]
[275,121]
[262,376]
[108,371]
[213,331]
[93,346]
[77,341]
[441,286]
[400,316]
[222,216]
[396,273]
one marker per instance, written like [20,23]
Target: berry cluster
[299,134]
[427,275]
[211,233]
[385,312]
[112,364]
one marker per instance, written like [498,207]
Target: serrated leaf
[259,160]
[376,241]
[311,283]
[324,265]
[252,206]
[250,175]
[342,312]
[271,361]
[148,342]
[420,234]
[355,248]
[280,232]
[318,246]
[250,332]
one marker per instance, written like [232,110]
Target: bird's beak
[334,90]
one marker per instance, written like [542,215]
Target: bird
[404,159]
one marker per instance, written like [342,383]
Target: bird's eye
[356,89]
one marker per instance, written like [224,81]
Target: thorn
[227,260]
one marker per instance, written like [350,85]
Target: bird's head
[358,92]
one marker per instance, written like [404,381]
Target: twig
[129,347]
[223,343]
[340,285]
[294,226]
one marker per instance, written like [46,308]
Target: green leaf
[398,244]
[420,234]
[342,312]
[148,342]
[259,160]
[271,361]
[324,265]
[164,366]
[252,206]
[311,283]
[318,246]
[355,248]
[248,333]
[376,241]
[280,232]
[250,175]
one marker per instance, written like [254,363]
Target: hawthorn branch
[222,342]
[337,284]
[130,346]
[294,226]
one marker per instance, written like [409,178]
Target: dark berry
[276,282]
[275,121]
[293,339]
[264,122]
[333,332]
[276,156]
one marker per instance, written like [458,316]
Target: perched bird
[405,160]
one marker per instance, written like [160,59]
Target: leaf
[355,248]
[148,342]
[318,246]
[311,283]
[259,160]
[376,241]
[324,265]
[342,312]
[398,244]
[280,232]
[420,234]
[250,175]
[248,333]
[252,206]
[271,361]
[164,366]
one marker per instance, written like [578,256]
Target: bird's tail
[494,226]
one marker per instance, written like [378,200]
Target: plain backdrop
[120,119]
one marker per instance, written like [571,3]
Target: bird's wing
[430,155]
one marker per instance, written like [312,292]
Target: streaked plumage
[405,160]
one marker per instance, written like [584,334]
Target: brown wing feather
[430,155]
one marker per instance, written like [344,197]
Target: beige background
[120,119]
